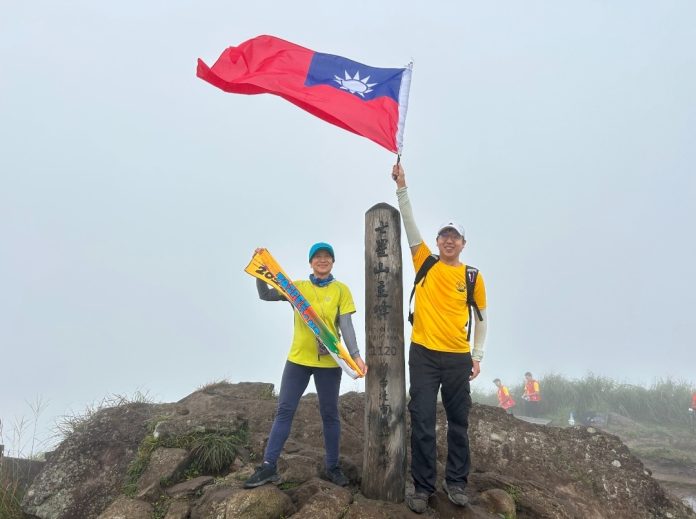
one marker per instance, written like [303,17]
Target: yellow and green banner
[265,267]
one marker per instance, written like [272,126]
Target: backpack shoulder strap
[425,267]
[471,277]
[420,276]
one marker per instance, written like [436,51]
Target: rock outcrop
[140,460]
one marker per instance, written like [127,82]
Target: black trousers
[429,370]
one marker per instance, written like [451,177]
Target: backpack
[471,275]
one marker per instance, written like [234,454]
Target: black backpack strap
[420,275]
[471,276]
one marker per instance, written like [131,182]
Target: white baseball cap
[450,224]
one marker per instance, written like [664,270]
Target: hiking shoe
[455,492]
[337,477]
[266,473]
[417,502]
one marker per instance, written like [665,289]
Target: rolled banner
[265,267]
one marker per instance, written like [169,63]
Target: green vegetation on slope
[666,402]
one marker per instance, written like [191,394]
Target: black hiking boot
[266,473]
[417,502]
[337,477]
[456,494]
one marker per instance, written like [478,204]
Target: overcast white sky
[132,194]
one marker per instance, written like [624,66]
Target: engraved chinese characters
[384,463]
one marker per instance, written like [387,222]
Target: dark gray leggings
[295,380]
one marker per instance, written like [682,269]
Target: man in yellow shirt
[441,356]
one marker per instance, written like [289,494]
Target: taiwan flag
[369,101]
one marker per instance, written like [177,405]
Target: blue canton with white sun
[363,81]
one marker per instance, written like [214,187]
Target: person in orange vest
[505,399]
[531,396]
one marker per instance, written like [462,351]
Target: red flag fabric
[365,100]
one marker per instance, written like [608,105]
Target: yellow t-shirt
[329,302]
[440,312]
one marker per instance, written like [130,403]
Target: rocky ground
[519,469]
[669,453]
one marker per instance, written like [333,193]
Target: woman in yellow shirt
[333,302]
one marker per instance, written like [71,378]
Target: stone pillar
[384,461]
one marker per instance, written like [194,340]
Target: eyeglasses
[449,235]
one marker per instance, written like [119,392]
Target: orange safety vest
[693,401]
[531,389]
[504,399]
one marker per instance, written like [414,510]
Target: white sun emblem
[354,84]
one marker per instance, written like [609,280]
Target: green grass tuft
[161,506]
[289,485]
[212,454]
[10,500]
[74,422]
[514,492]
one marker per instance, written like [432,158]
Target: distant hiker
[441,354]
[505,399]
[531,396]
[334,304]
